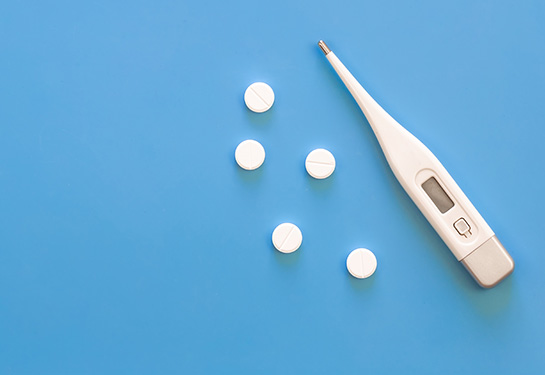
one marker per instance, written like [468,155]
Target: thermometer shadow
[500,294]
[490,302]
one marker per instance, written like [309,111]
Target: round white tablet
[320,163]
[259,97]
[361,263]
[287,238]
[250,154]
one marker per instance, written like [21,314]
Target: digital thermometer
[432,189]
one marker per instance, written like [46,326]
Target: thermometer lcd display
[438,196]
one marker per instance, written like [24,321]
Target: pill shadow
[319,185]
[287,260]
[358,285]
[361,285]
[260,118]
[250,176]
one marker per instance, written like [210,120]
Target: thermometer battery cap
[489,264]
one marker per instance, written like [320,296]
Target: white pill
[250,154]
[361,263]
[259,97]
[287,238]
[320,163]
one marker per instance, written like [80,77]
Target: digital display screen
[438,196]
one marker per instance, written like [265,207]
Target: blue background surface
[131,242]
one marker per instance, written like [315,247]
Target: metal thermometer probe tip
[325,49]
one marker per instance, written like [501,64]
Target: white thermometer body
[432,189]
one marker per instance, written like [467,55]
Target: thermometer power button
[462,227]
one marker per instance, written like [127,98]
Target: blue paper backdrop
[131,243]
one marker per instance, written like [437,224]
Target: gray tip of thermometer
[325,49]
[489,264]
